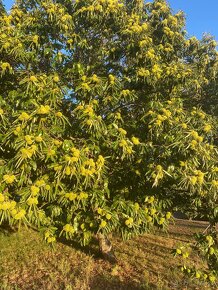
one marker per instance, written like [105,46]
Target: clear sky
[201,15]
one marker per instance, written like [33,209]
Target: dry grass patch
[145,262]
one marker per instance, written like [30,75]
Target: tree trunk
[106,248]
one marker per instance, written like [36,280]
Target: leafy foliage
[96,134]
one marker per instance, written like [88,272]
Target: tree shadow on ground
[7,230]
[91,249]
[103,282]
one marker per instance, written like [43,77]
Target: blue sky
[202,16]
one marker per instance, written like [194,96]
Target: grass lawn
[145,262]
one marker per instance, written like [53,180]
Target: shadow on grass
[92,249]
[191,224]
[103,282]
[7,230]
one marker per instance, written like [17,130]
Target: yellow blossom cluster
[142,72]
[24,116]
[51,152]
[38,139]
[32,201]
[89,111]
[214,183]
[57,142]
[68,228]
[198,113]
[100,162]
[111,79]
[135,140]
[106,6]
[9,178]
[125,93]
[156,71]
[150,53]
[35,189]
[207,128]
[196,137]
[5,66]
[197,178]
[7,205]
[160,118]
[10,206]
[28,152]
[126,146]
[29,139]
[145,41]
[82,195]
[18,214]
[122,131]
[71,196]
[43,110]
[174,70]
[88,167]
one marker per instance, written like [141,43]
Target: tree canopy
[101,129]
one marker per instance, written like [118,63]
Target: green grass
[145,262]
